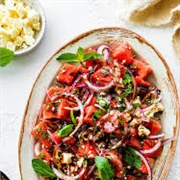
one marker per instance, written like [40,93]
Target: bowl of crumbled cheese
[22,25]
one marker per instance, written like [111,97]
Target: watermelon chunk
[123,52]
[67,74]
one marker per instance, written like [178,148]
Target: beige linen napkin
[155,13]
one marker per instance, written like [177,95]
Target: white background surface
[65,20]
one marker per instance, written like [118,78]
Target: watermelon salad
[100,118]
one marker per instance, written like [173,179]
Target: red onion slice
[146,163]
[37,148]
[134,84]
[156,136]
[105,51]
[152,150]
[168,140]
[85,104]
[97,89]
[47,93]
[148,108]
[80,121]
[63,176]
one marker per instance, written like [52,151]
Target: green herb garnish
[80,56]
[136,105]
[127,81]
[43,169]
[104,168]
[6,55]
[72,116]
[65,130]
[98,113]
[131,157]
[122,107]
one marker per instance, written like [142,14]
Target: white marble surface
[65,20]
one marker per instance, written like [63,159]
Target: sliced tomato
[52,91]
[67,74]
[143,169]
[155,126]
[64,113]
[40,133]
[135,143]
[89,112]
[45,156]
[87,150]
[148,144]
[92,102]
[123,52]
[102,76]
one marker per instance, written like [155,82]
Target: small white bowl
[35,4]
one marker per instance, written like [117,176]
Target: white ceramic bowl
[35,4]
[161,76]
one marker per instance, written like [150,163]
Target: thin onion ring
[97,89]
[80,121]
[146,164]
[61,175]
[153,149]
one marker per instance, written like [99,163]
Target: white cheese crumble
[66,158]
[143,131]
[19,25]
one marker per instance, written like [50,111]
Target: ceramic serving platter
[162,77]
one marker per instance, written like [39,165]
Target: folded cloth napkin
[155,13]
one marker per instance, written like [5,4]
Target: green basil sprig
[131,157]
[80,56]
[104,167]
[65,130]
[6,55]
[42,168]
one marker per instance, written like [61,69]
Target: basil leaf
[42,168]
[72,116]
[131,157]
[92,55]
[80,54]
[65,130]
[104,167]
[68,57]
[6,55]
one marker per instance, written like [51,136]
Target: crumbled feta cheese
[127,117]
[135,121]
[66,158]
[19,24]
[143,131]
[136,100]
[157,108]
[80,162]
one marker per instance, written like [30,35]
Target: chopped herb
[80,56]
[44,135]
[131,157]
[43,169]
[41,155]
[65,130]
[122,107]
[127,78]
[72,116]
[98,113]
[136,105]
[148,101]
